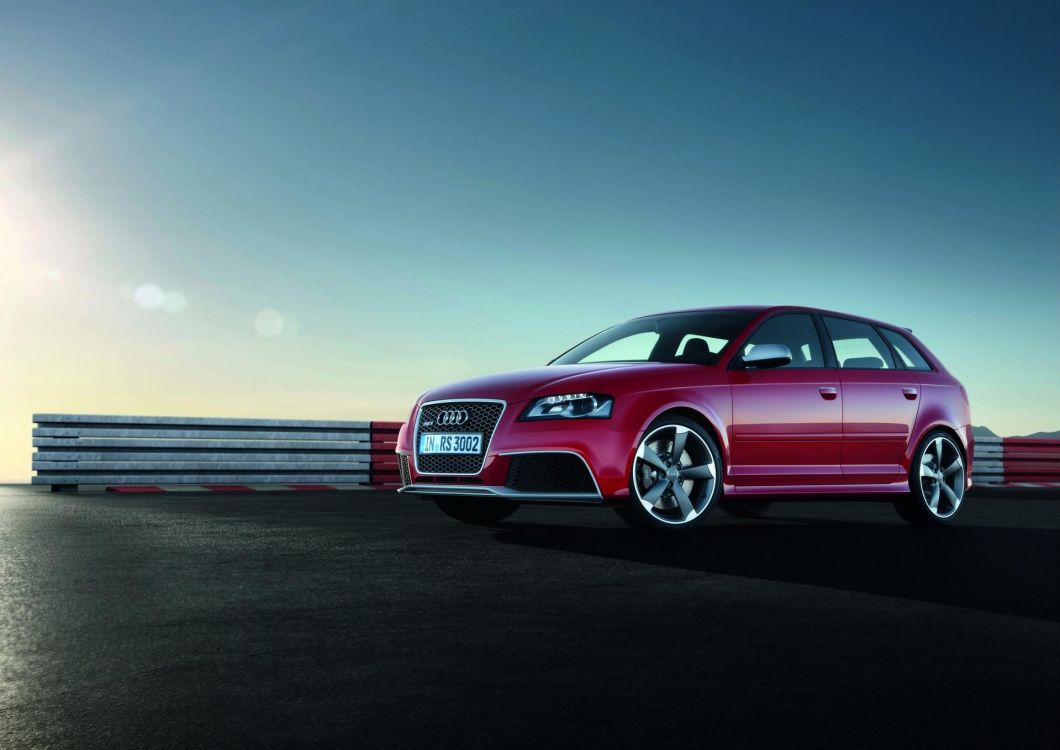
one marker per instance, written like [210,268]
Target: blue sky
[352,202]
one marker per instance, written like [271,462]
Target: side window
[858,346]
[635,348]
[795,331]
[911,358]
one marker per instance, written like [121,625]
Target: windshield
[691,337]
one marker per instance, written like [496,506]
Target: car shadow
[1014,571]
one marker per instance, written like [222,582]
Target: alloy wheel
[942,477]
[674,474]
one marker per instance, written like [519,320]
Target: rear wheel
[745,508]
[936,482]
[480,511]
[674,480]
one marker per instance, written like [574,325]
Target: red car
[666,416]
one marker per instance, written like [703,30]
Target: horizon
[322,211]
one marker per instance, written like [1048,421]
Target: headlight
[570,406]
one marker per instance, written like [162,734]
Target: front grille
[482,417]
[549,472]
[403,469]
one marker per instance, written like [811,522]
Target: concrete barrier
[93,449]
[987,467]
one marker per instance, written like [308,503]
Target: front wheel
[936,482]
[675,477]
[480,511]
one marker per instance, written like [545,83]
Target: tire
[669,493]
[479,511]
[936,482]
[745,508]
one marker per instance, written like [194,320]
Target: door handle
[828,393]
[909,393]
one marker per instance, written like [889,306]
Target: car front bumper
[607,453]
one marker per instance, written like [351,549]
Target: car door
[880,403]
[787,421]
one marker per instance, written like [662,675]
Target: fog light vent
[549,473]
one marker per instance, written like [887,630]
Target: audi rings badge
[451,417]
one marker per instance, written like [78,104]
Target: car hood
[521,385]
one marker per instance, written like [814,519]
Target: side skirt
[843,491]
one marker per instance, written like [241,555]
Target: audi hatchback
[666,416]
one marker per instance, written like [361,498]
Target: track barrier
[211,453]
[143,454]
[1016,460]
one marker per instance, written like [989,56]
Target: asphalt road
[368,619]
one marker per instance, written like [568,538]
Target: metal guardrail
[92,449]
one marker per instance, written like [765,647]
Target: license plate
[445,442]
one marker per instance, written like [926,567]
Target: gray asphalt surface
[368,619]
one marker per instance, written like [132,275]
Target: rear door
[880,403]
[787,421]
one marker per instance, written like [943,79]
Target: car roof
[763,309]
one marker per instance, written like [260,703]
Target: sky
[320,210]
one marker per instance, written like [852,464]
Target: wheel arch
[914,445]
[946,427]
[699,417]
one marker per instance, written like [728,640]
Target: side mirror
[767,355]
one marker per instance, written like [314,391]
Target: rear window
[907,353]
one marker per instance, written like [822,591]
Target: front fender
[711,404]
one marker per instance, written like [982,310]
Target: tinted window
[858,346]
[795,331]
[911,358]
[694,337]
